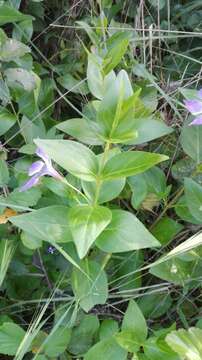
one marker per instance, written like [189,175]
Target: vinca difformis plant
[98,194]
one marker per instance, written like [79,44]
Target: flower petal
[197,121]
[194,106]
[35,167]
[42,154]
[30,183]
[199,93]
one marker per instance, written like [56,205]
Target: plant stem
[168,206]
[99,180]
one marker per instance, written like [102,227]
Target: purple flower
[38,169]
[51,250]
[195,108]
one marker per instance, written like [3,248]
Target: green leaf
[80,129]
[128,341]
[182,210]
[108,190]
[90,289]
[78,159]
[50,224]
[186,343]
[86,224]
[73,85]
[10,15]
[191,141]
[12,49]
[134,321]
[125,233]
[4,173]
[57,341]
[149,130]
[155,305]
[157,349]
[166,230]
[20,78]
[11,335]
[130,163]
[108,328]
[177,270]
[117,45]
[30,198]
[83,335]
[30,241]
[193,193]
[107,349]
[7,120]
[116,112]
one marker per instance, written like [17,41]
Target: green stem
[102,164]
[168,206]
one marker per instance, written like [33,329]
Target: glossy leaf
[50,224]
[78,159]
[130,163]
[86,224]
[125,233]
[187,343]
[80,129]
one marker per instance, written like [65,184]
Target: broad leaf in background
[57,341]
[7,120]
[193,194]
[191,141]
[107,349]
[166,230]
[10,15]
[86,224]
[83,335]
[50,224]
[90,289]
[125,233]
[134,329]
[130,163]
[11,335]
[134,321]
[12,49]
[18,78]
[186,343]
[72,156]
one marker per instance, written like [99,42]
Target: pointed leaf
[130,163]
[92,289]
[50,224]
[86,223]
[125,233]
[72,156]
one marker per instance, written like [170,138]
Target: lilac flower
[195,108]
[38,169]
